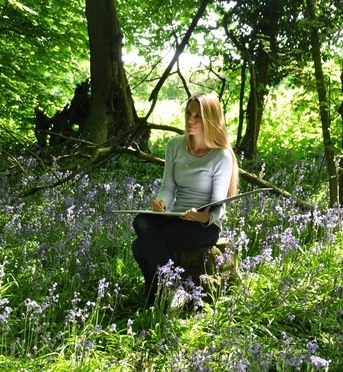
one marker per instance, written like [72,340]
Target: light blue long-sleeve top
[191,182]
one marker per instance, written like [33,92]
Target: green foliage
[71,295]
[43,49]
[42,56]
[70,292]
[156,24]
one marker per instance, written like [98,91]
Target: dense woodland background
[80,70]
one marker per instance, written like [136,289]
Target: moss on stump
[212,267]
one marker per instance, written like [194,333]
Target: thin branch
[184,83]
[255,180]
[102,155]
[220,78]
[105,153]
[163,127]
[179,49]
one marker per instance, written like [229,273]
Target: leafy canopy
[43,53]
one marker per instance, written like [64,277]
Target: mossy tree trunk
[258,57]
[340,110]
[112,110]
[323,103]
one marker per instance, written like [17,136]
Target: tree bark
[241,103]
[340,179]
[112,108]
[254,114]
[323,104]
[264,35]
[102,154]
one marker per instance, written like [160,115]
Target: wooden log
[210,266]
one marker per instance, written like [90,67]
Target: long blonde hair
[215,133]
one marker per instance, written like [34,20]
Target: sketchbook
[181,214]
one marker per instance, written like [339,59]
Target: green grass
[71,294]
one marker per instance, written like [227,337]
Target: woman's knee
[143,223]
[138,222]
[135,248]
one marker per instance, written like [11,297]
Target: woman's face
[194,122]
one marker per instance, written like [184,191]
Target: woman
[200,168]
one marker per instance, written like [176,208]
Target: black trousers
[158,236]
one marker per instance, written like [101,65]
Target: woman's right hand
[158,205]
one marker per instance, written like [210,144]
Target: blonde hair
[215,133]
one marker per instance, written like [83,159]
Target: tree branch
[163,127]
[179,49]
[105,153]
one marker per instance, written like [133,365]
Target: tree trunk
[340,185]
[249,142]
[241,103]
[254,115]
[323,104]
[263,44]
[112,108]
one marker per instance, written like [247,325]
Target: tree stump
[212,267]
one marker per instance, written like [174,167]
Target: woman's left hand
[196,216]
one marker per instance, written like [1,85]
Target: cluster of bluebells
[264,237]
[170,279]
[71,220]
[77,314]
[5,309]
[54,247]
[73,240]
[195,360]
[169,276]
[5,312]
[298,360]
[37,318]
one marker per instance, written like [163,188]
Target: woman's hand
[158,205]
[194,215]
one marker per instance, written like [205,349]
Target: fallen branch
[103,154]
[255,180]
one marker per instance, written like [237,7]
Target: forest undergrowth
[71,294]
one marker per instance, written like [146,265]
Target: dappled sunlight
[70,288]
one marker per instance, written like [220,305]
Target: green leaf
[22,7]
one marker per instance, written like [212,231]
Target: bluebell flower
[5,310]
[129,327]
[103,285]
[312,346]
[112,328]
[319,362]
